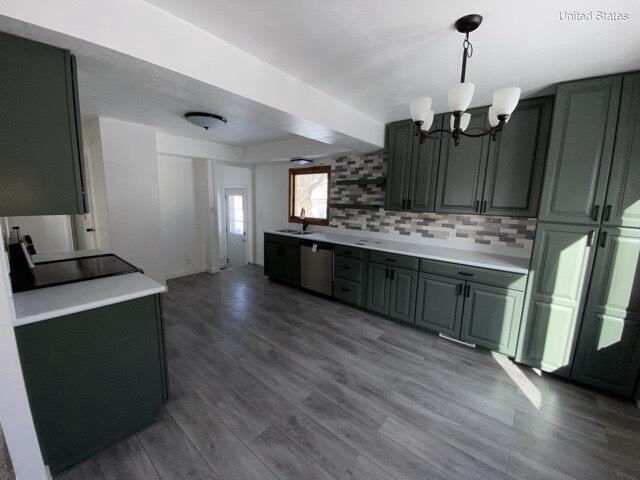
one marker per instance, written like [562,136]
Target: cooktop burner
[59,272]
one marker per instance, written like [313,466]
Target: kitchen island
[93,359]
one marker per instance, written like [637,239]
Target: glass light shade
[493,118]
[465,118]
[460,96]
[427,121]
[505,100]
[420,108]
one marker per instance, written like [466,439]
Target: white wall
[272,190]
[184,212]
[133,195]
[50,233]
[230,176]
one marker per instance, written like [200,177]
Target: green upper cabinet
[424,171]
[400,139]
[622,205]
[557,285]
[491,317]
[462,169]
[608,351]
[516,161]
[580,150]
[412,168]
[439,304]
[40,135]
[478,175]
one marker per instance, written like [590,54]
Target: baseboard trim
[185,273]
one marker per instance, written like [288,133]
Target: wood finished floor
[268,382]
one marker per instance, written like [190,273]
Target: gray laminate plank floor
[268,382]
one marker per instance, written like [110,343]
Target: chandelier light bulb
[505,100]
[465,118]
[493,118]
[420,108]
[427,121]
[460,96]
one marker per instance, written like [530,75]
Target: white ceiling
[123,97]
[376,55]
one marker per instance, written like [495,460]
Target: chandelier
[504,100]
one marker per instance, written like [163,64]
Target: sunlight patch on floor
[518,377]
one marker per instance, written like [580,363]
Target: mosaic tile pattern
[481,229]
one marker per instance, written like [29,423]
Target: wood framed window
[309,189]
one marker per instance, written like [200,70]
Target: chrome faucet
[305,224]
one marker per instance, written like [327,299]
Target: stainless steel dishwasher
[316,266]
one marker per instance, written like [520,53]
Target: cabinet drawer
[281,239]
[514,281]
[347,291]
[394,260]
[348,268]
[350,252]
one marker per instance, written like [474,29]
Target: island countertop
[50,302]
[474,258]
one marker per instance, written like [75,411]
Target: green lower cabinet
[291,265]
[556,289]
[93,378]
[271,259]
[402,294]
[282,262]
[439,304]
[378,288]
[391,291]
[491,317]
[608,350]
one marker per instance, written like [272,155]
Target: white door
[236,226]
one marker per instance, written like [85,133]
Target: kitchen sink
[295,232]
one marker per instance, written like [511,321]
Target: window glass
[309,189]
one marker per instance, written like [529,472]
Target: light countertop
[474,258]
[50,302]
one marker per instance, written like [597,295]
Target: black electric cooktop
[60,272]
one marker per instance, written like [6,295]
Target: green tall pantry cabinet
[582,313]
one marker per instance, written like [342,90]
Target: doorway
[236,225]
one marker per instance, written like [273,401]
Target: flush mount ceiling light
[301,161]
[504,100]
[205,120]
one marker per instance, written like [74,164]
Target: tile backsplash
[511,232]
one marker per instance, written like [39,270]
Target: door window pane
[235,214]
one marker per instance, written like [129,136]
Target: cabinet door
[623,194]
[402,294]
[39,131]
[491,317]
[580,149]
[516,161]
[378,288]
[439,304]
[608,351]
[93,378]
[291,264]
[462,169]
[424,171]
[400,137]
[271,263]
[557,285]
